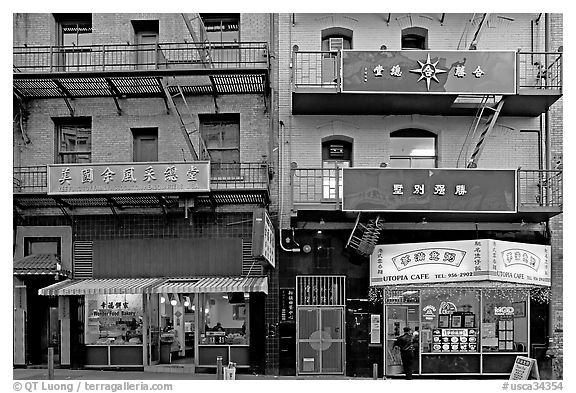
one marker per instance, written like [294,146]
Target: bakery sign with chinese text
[424,71]
[129,178]
[457,261]
[430,190]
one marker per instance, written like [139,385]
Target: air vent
[336,151]
[83,259]
[336,43]
[250,266]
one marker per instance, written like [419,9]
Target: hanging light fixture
[162,299]
[186,301]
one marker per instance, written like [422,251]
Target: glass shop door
[397,317]
[153,329]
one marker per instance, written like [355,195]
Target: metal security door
[320,341]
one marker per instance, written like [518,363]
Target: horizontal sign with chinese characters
[434,190]
[129,178]
[465,260]
[424,71]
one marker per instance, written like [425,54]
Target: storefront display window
[504,321]
[114,319]
[450,321]
[224,318]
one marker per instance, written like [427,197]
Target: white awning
[101,286]
[211,285]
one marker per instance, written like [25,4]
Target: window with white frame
[413,148]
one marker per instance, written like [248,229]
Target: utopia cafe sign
[458,261]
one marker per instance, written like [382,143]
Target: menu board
[524,368]
[454,340]
[505,333]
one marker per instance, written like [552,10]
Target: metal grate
[320,290]
[250,266]
[83,259]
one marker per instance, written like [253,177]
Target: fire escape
[173,72]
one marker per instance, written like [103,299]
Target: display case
[113,333]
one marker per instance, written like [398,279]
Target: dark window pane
[74,143]
[222,138]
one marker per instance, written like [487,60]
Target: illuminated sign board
[433,190]
[424,71]
[129,178]
[263,239]
[457,261]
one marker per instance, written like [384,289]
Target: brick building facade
[267,103]
[318,118]
[163,101]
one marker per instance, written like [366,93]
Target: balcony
[539,197]
[135,70]
[321,83]
[229,184]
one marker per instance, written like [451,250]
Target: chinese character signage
[433,190]
[263,240]
[421,71]
[287,304]
[466,260]
[129,178]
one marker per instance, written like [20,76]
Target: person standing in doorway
[406,344]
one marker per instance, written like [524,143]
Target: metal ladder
[364,237]
[190,130]
[197,31]
[488,127]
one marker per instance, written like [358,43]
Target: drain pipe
[551,342]
[281,189]
[282,176]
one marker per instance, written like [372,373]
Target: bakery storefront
[138,322]
[467,302]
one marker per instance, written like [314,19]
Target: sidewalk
[66,374]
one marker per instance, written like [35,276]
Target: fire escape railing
[536,188]
[539,70]
[223,176]
[129,57]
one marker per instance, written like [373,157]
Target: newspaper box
[230,371]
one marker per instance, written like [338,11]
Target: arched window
[413,148]
[336,153]
[336,38]
[333,40]
[415,38]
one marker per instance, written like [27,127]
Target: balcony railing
[316,69]
[534,69]
[540,188]
[536,188]
[539,70]
[241,176]
[224,177]
[127,57]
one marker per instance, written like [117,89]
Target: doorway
[336,154]
[397,317]
[146,38]
[320,342]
